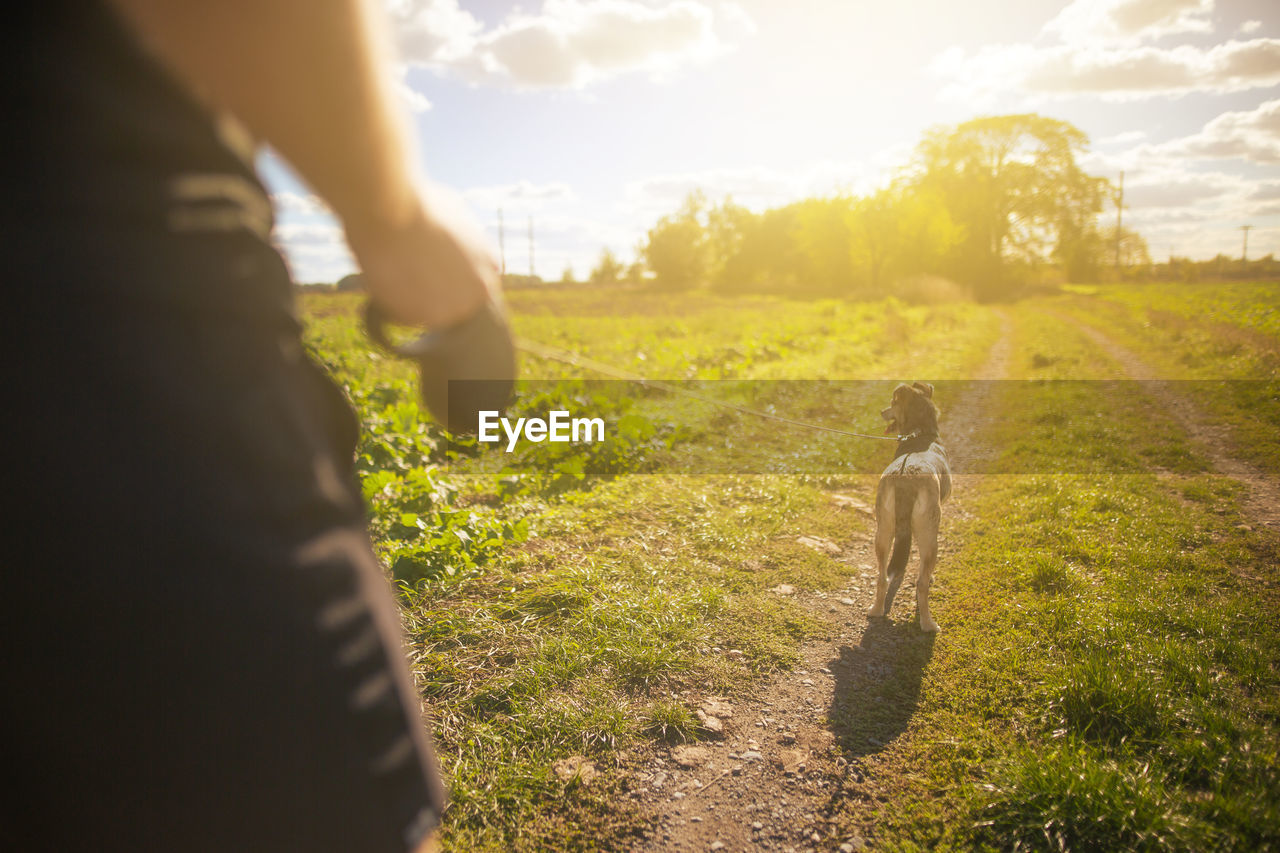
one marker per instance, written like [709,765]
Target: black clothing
[200,649]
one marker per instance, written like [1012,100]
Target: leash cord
[565,357]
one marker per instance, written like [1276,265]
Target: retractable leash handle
[463,370]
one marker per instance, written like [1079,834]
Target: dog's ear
[924,388]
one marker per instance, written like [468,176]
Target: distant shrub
[353,283]
[931,290]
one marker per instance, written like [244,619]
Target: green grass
[1107,676]
[1106,679]
[1247,305]
[1224,338]
[593,636]
[594,627]
[670,721]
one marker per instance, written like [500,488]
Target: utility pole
[1244,253]
[1119,219]
[532,274]
[502,243]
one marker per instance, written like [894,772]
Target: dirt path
[792,751]
[1262,498]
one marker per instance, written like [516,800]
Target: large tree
[823,236]
[763,255]
[1013,184]
[677,250]
[898,231]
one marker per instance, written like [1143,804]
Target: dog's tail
[904,499]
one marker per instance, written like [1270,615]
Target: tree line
[993,204]
[1219,268]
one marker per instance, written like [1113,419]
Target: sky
[590,119]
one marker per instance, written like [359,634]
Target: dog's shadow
[878,685]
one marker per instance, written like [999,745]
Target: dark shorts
[200,649]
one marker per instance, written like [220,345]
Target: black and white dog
[909,498]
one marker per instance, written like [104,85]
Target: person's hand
[433,270]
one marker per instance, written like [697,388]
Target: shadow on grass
[878,685]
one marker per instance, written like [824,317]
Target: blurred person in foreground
[201,651]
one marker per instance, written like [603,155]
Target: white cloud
[315,251]
[1266,191]
[1175,199]
[1246,134]
[1239,135]
[309,233]
[287,203]
[754,187]
[1179,191]
[433,31]
[568,43]
[1102,48]
[734,20]
[1250,27]
[579,232]
[574,42]
[1174,204]
[1114,73]
[520,196]
[1092,21]
[1124,138]
[412,98]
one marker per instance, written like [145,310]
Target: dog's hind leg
[925,519]
[884,544]
[904,499]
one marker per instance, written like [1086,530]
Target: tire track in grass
[773,779]
[1261,501]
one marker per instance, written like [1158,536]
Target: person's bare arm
[313,78]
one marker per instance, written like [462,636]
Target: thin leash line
[573,359]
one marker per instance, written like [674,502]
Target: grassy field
[1107,675]
[1221,340]
[1110,679]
